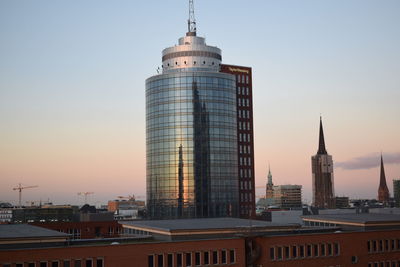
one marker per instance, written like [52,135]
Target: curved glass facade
[191,145]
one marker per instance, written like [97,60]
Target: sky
[72,83]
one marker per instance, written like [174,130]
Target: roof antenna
[191,20]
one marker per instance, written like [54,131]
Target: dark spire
[321,147]
[382,183]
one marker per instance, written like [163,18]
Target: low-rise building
[288,196]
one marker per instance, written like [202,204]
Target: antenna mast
[191,20]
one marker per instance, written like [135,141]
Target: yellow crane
[20,188]
[85,194]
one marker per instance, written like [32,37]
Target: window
[150,261]
[179,259]
[287,253]
[232,256]
[197,258]
[170,262]
[160,260]
[309,250]
[392,244]
[330,250]
[386,245]
[369,245]
[89,263]
[54,264]
[301,251]
[380,245]
[323,252]
[223,257]
[215,257]
[206,258]
[354,259]
[43,264]
[188,259]
[19,265]
[99,263]
[337,249]
[294,251]
[279,256]
[31,264]
[374,245]
[316,254]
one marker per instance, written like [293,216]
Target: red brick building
[85,230]
[262,244]
[245,137]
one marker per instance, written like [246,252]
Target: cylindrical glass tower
[191,138]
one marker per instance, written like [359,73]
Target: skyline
[72,104]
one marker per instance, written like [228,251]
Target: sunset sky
[72,89]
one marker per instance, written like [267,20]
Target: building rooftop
[355,218]
[203,228]
[26,231]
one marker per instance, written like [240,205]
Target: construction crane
[85,194]
[19,188]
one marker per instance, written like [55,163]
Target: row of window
[246,209]
[243,102]
[246,197]
[244,125]
[245,173]
[304,251]
[245,161]
[186,259]
[393,263]
[188,79]
[244,149]
[383,245]
[243,90]
[194,63]
[245,114]
[58,263]
[244,137]
[242,78]
[245,185]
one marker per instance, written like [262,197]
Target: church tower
[383,191]
[322,172]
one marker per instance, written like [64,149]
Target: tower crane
[20,188]
[85,194]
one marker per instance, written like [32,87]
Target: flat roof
[357,218]
[8,231]
[202,224]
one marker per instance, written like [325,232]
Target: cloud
[369,161]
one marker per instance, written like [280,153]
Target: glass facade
[191,143]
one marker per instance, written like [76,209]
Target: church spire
[269,176]
[382,182]
[321,147]
[383,191]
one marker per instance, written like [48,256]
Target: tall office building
[383,191]
[245,137]
[396,191]
[191,133]
[322,175]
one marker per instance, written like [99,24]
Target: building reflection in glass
[191,145]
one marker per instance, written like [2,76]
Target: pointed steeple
[269,176]
[383,191]
[321,146]
[382,182]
